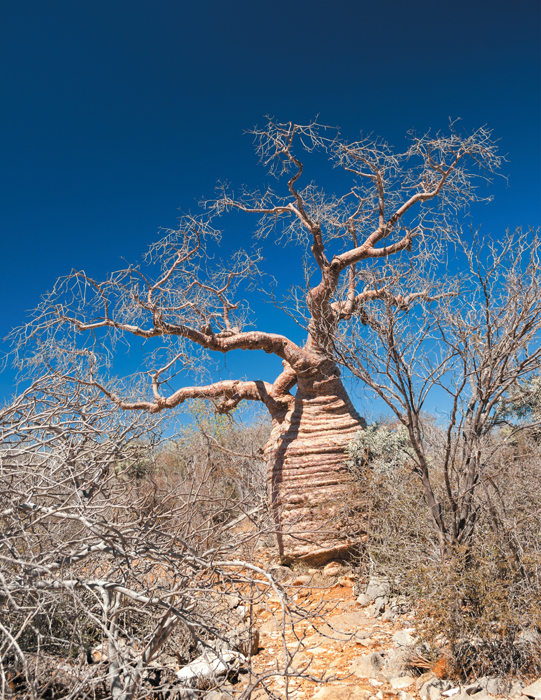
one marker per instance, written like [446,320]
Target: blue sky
[116,113]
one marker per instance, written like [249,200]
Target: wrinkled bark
[310,487]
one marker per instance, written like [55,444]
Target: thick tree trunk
[311,490]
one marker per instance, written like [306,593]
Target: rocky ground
[358,650]
[338,639]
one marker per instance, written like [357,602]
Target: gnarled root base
[311,490]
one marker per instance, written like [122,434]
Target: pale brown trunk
[310,488]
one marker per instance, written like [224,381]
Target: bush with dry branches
[457,521]
[118,568]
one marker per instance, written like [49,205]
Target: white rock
[533,690]
[405,696]
[342,692]
[516,690]
[450,693]
[497,686]
[378,587]
[401,682]
[403,638]
[395,662]
[529,636]
[368,665]
[364,599]
[378,606]
[209,665]
[365,641]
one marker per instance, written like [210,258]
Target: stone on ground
[342,692]
[404,638]
[378,587]
[333,568]
[533,690]
[401,682]
[368,665]
[395,662]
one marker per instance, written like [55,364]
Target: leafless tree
[471,347]
[186,303]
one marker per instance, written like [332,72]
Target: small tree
[186,303]
[474,346]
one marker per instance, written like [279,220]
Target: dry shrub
[482,612]
[478,607]
[117,565]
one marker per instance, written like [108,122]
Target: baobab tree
[187,304]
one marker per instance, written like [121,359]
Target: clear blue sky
[115,113]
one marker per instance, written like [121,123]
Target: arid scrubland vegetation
[119,545]
[136,552]
[473,556]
